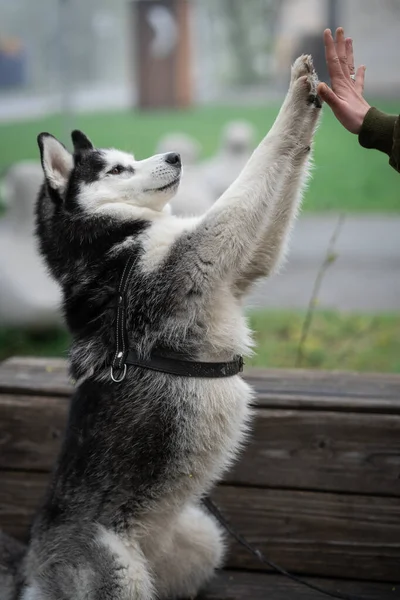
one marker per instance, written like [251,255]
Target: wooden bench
[317,489]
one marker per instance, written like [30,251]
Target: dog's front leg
[270,248]
[225,241]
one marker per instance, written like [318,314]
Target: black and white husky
[123,518]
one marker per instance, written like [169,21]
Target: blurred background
[206,78]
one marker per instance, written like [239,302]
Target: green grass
[346,177]
[336,341]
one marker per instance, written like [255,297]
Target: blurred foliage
[345,177]
[18,342]
[336,341]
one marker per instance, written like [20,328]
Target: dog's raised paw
[303,65]
[303,68]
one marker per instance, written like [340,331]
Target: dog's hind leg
[188,555]
[270,248]
[93,563]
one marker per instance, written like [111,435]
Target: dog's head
[107,181]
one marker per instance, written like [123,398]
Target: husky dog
[123,518]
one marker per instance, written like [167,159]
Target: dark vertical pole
[163,80]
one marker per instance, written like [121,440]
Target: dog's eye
[117,170]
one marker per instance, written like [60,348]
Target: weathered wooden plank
[39,376]
[31,428]
[275,388]
[328,535]
[242,585]
[20,497]
[345,452]
[330,451]
[326,390]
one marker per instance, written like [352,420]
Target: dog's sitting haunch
[123,517]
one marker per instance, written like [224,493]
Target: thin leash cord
[214,510]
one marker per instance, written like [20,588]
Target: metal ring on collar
[118,379]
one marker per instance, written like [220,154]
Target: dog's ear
[57,162]
[80,141]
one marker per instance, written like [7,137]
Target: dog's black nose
[172,158]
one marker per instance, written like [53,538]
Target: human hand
[346,96]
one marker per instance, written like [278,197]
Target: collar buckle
[121,377]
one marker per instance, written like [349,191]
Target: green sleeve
[395,156]
[382,132]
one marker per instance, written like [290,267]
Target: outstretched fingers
[341,50]
[350,56]
[345,97]
[332,59]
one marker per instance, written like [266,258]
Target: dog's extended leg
[223,243]
[270,248]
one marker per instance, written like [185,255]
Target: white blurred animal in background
[237,144]
[194,197]
[28,297]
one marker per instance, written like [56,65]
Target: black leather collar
[165,362]
[186,368]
